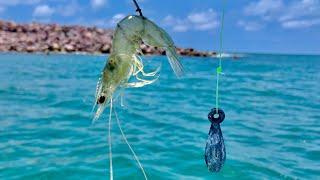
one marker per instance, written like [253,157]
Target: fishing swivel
[215,116]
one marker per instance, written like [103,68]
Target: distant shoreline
[54,38]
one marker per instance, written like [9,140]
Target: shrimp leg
[137,61]
[139,83]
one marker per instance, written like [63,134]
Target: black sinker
[101,100]
[215,152]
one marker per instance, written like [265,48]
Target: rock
[88,35]
[35,37]
[31,48]
[105,48]
[100,31]
[69,47]
[55,47]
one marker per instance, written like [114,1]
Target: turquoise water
[271,130]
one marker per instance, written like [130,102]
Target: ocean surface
[271,130]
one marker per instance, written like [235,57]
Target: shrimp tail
[155,36]
[174,61]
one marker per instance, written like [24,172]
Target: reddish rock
[36,37]
[69,47]
[55,46]
[105,48]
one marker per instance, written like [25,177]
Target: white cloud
[116,18]
[43,11]
[250,25]
[69,9]
[289,14]
[301,14]
[177,24]
[201,17]
[96,4]
[2,9]
[300,23]
[180,28]
[108,23]
[264,8]
[18,2]
[301,9]
[201,21]
[204,20]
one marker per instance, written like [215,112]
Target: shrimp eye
[101,99]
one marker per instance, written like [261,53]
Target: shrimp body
[124,63]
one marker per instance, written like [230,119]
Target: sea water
[271,130]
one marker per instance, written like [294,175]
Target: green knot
[219,70]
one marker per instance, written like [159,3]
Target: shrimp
[124,63]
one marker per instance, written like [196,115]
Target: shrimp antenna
[138,8]
[131,149]
[109,140]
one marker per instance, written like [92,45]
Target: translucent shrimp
[124,63]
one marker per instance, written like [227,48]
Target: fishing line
[110,143]
[219,68]
[131,149]
[138,8]
[215,151]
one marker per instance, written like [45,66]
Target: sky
[262,26]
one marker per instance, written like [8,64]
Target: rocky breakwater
[35,37]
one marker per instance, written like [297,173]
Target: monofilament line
[131,149]
[109,140]
[138,7]
[219,69]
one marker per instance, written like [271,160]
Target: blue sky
[276,26]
